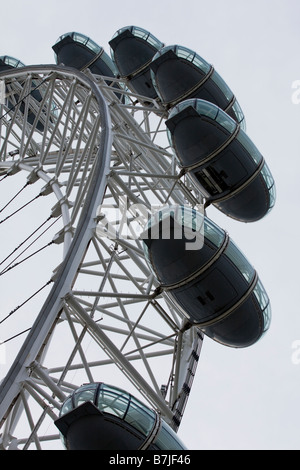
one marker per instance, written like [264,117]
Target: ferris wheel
[87,168]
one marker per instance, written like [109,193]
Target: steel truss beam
[108,164]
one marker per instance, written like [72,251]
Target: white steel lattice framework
[102,159]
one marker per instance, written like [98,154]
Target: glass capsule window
[193,57]
[270,183]
[168,439]
[108,61]
[209,110]
[140,417]
[250,147]
[186,54]
[222,85]
[12,62]
[225,121]
[192,219]
[183,215]
[121,404]
[92,46]
[240,261]
[112,401]
[87,42]
[115,402]
[264,302]
[239,115]
[201,106]
[142,34]
[146,36]
[84,394]
[213,233]
[67,406]
[82,39]
[205,108]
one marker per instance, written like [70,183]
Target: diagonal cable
[26,239]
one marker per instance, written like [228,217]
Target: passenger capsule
[178,73]
[221,159]
[132,51]
[102,417]
[211,281]
[78,51]
[7,63]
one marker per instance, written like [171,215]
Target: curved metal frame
[141,171]
[10,386]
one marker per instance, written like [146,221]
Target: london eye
[113,162]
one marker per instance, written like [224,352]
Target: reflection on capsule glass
[178,73]
[132,49]
[221,159]
[7,62]
[103,417]
[215,287]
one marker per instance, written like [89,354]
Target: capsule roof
[98,416]
[214,286]
[221,159]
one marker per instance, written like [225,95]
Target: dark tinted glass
[195,138]
[242,328]
[212,293]
[174,77]
[250,204]
[131,53]
[228,170]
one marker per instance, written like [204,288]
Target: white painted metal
[108,164]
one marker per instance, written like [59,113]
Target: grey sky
[241,399]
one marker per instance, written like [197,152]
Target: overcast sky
[241,399]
